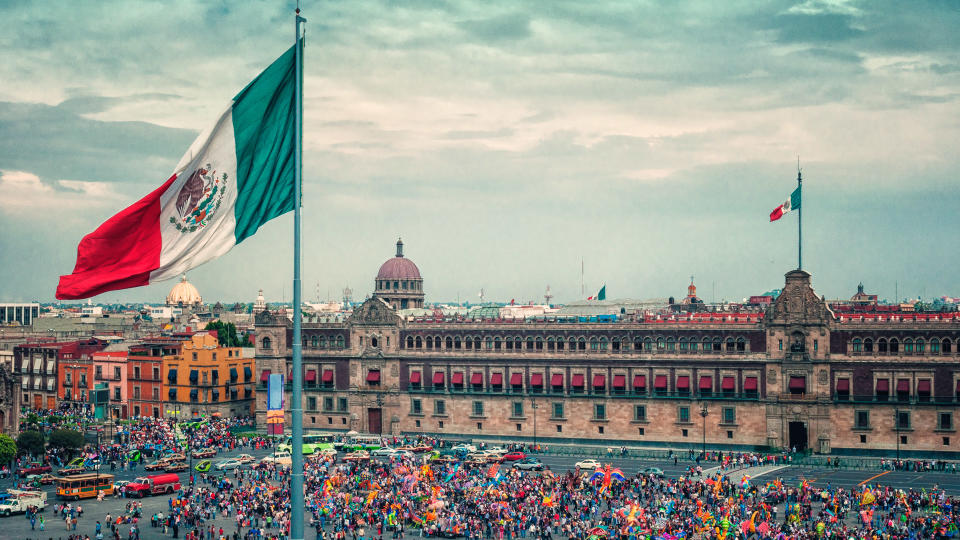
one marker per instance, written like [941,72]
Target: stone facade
[795,375]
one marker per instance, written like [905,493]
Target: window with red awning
[843,385]
[706,382]
[683,383]
[311,376]
[327,376]
[728,384]
[660,382]
[599,381]
[577,381]
[883,386]
[619,381]
[457,378]
[798,384]
[556,380]
[476,379]
[265,375]
[516,379]
[438,378]
[903,386]
[373,376]
[640,382]
[536,379]
[496,379]
[750,384]
[923,386]
[415,377]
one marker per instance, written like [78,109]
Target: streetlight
[534,406]
[703,414]
[896,427]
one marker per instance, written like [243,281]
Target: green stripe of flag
[795,199]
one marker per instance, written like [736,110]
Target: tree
[30,442]
[8,449]
[68,439]
[227,334]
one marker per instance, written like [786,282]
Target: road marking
[872,477]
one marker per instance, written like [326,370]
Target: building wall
[203,383]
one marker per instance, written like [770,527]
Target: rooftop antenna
[547,296]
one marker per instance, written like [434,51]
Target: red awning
[311,375]
[750,384]
[843,385]
[536,379]
[728,384]
[639,381]
[619,381]
[903,385]
[578,381]
[516,379]
[496,379]
[706,382]
[599,381]
[476,378]
[798,383]
[415,377]
[457,378]
[438,377]
[660,382]
[683,382]
[556,379]
[327,375]
[265,375]
[373,375]
[883,385]
[923,386]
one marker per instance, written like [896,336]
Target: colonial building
[791,374]
[205,378]
[55,372]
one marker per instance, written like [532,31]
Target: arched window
[894,346]
[450,342]
[497,343]
[581,344]
[409,342]
[429,342]
[572,342]
[671,344]
[882,346]
[741,345]
[683,344]
[717,344]
[647,344]
[603,344]
[707,347]
[693,345]
[920,346]
[594,345]
[857,345]
[456,342]
[731,345]
[323,342]
[339,342]
[266,343]
[934,346]
[868,345]
[550,344]
[637,343]
[908,346]
[489,342]
[529,343]
[946,346]
[560,343]
[314,341]
[419,343]
[661,344]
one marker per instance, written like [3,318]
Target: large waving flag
[235,177]
[792,203]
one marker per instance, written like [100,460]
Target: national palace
[791,374]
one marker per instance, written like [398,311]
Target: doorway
[374,421]
[798,436]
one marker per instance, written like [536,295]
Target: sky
[507,142]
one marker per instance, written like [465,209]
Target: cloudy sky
[507,141]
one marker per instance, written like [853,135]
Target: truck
[154,484]
[21,500]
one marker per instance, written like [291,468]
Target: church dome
[184,293]
[399,267]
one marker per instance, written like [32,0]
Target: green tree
[30,442]
[8,449]
[68,439]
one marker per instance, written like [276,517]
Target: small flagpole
[296,407]
[799,222]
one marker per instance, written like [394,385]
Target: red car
[204,453]
[33,468]
[513,456]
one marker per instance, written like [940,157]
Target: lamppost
[534,406]
[380,407]
[896,427]
[703,414]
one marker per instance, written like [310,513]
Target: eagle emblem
[199,199]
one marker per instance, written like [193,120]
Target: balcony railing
[895,400]
[626,394]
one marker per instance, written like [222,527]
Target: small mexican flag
[792,203]
[601,294]
[235,177]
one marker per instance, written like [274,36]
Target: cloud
[508,27]
[23,192]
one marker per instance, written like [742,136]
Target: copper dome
[399,267]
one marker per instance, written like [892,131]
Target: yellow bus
[84,486]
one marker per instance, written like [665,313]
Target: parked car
[528,464]
[279,458]
[653,471]
[204,453]
[41,479]
[33,468]
[175,466]
[499,450]
[400,454]
[245,458]
[512,456]
[383,451]
[229,465]
[588,464]
[357,456]
[464,448]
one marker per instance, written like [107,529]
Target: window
[478,408]
[857,345]
[599,411]
[479,425]
[816,345]
[342,404]
[416,406]
[903,420]
[439,407]
[517,409]
[195,356]
[136,392]
[863,439]
[729,415]
[519,427]
[945,421]
[862,420]
[640,413]
[559,428]
[600,430]
[683,414]
[328,403]
[99,372]
[311,403]
[780,344]
[558,410]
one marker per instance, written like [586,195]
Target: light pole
[896,427]
[534,406]
[703,414]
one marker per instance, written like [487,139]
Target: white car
[498,450]
[399,454]
[280,458]
[229,464]
[588,464]
[383,451]
[468,448]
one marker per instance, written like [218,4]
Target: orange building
[205,379]
[145,388]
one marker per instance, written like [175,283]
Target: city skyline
[506,142]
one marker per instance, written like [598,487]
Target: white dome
[184,293]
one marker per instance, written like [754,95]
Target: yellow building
[207,379]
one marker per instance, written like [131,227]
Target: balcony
[924,400]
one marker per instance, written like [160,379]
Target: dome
[399,267]
[184,293]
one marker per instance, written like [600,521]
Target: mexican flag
[792,203]
[236,176]
[601,294]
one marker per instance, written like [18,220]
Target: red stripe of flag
[120,254]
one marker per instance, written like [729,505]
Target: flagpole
[799,225]
[296,408]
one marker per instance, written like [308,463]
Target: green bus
[311,443]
